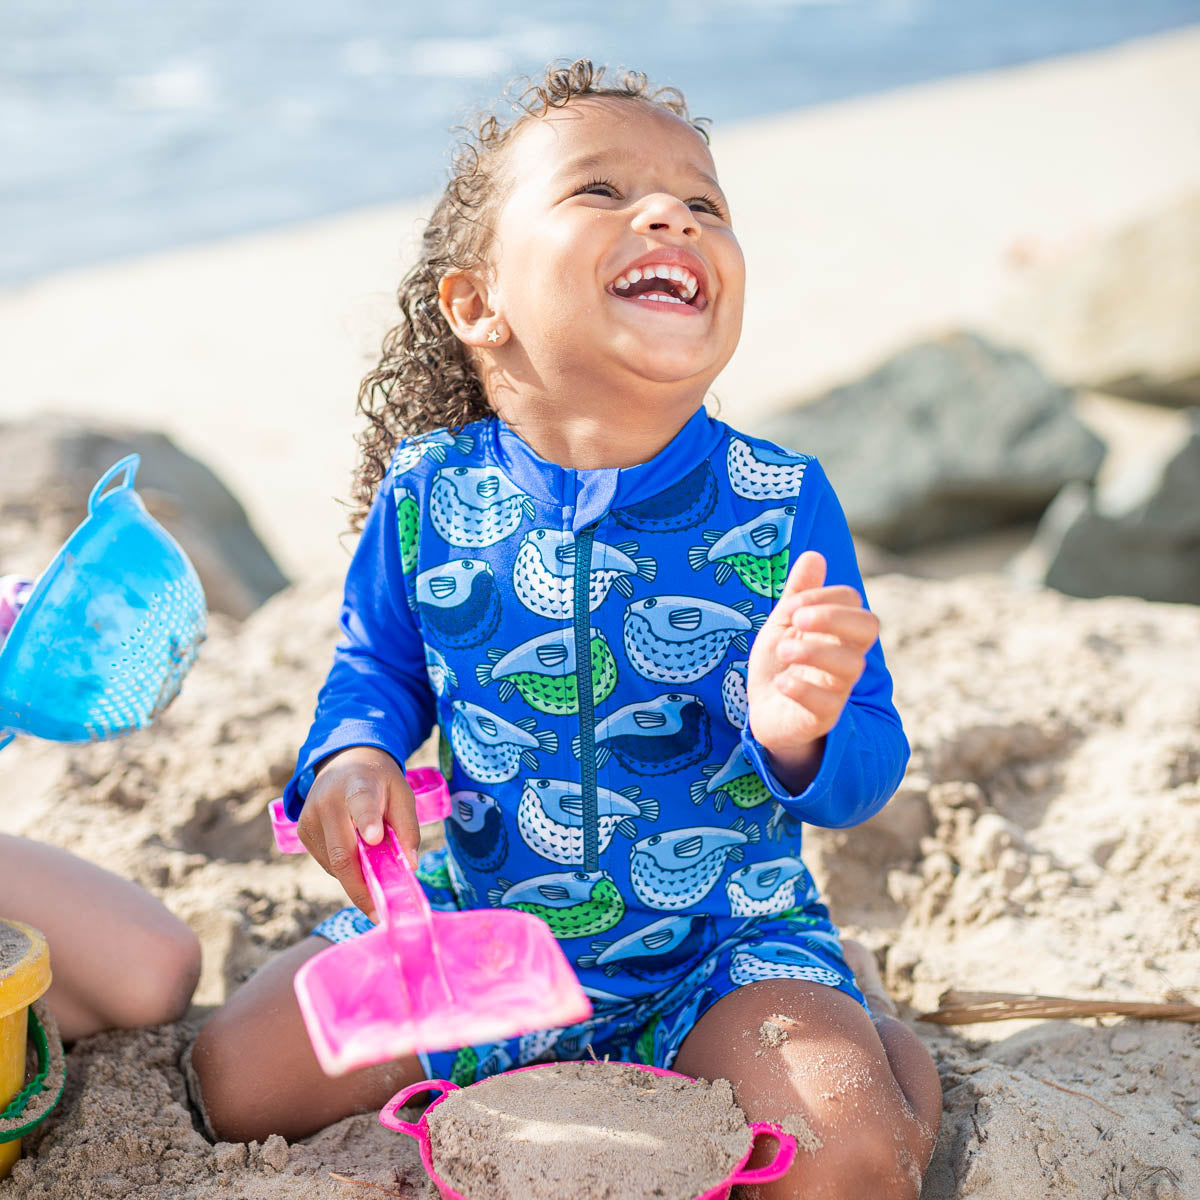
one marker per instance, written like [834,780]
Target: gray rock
[49,466]
[1137,536]
[949,438]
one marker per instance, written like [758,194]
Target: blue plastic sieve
[110,630]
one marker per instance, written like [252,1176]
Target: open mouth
[660,284]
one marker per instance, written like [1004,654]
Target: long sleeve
[377,692]
[866,752]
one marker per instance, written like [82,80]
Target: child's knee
[163,978]
[214,1068]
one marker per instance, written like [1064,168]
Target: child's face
[598,193]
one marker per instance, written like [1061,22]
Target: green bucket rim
[16,1107]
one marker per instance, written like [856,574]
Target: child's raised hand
[803,665]
[358,788]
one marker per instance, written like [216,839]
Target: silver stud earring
[494,336]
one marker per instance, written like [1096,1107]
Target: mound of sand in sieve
[592,1131]
[1045,839]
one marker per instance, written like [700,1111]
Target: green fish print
[736,780]
[573,903]
[644,1046]
[466,1063]
[408,521]
[543,671]
[757,552]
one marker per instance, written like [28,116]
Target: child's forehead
[592,128]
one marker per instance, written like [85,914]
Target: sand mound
[1046,839]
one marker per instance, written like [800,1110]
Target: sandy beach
[1047,836]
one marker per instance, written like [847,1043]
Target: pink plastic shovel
[775,1169]
[425,980]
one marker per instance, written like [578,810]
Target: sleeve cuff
[816,795]
[353,733]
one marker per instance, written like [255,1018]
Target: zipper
[587,711]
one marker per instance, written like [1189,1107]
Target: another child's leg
[868,1092]
[253,1072]
[120,959]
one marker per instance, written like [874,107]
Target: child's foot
[866,974]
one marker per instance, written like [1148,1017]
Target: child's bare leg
[255,1070]
[120,959]
[868,1093]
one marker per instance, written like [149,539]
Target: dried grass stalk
[967,1008]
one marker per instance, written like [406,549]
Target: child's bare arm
[357,790]
[119,958]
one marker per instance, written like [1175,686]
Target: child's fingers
[808,571]
[841,663]
[341,859]
[823,705]
[856,627]
[401,815]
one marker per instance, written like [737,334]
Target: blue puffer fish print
[544,572]
[675,870]
[735,698]
[491,749]
[757,551]
[458,602]
[736,780]
[550,817]
[475,830]
[475,507]
[779,960]
[654,737]
[781,825]
[683,505]
[573,903]
[678,639]
[763,472]
[435,446]
[441,673]
[657,951]
[543,671]
[762,889]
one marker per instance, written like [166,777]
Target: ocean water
[135,125]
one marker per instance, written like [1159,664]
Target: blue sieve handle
[129,464]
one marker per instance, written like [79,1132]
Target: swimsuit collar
[587,495]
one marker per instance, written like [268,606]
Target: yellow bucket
[24,976]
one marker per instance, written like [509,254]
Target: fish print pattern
[408,526]
[550,816]
[491,749]
[441,674]
[683,505]
[543,671]
[764,472]
[657,951]
[544,572]
[573,903]
[474,507]
[780,960]
[435,446]
[756,551]
[654,737]
[761,889]
[735,698]
[735,779]
[475,830]
[675,870]
[458,602]
[679,639]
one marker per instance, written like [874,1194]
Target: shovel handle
[388,1114]
[778,1166]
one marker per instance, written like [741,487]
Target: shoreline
[248,352]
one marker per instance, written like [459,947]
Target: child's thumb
[807,572]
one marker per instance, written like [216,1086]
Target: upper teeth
[688,284]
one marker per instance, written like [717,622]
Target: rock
[49,466]
[1120,313]
[1136,536]
[949,438]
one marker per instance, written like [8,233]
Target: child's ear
[465,303]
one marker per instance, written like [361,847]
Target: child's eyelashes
[609,190]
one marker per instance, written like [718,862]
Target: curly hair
[425,379]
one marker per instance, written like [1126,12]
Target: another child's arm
[822,728]
[374,709]
[119,958]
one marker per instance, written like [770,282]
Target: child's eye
[598,187]
[706,204]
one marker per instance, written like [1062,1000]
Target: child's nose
[663,213]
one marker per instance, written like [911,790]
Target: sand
[591,1131]
[14,946]
[1046,839]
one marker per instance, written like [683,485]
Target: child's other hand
[804,664]
[357,789]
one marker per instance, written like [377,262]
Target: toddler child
[641,635]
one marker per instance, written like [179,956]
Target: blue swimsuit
[619,794]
